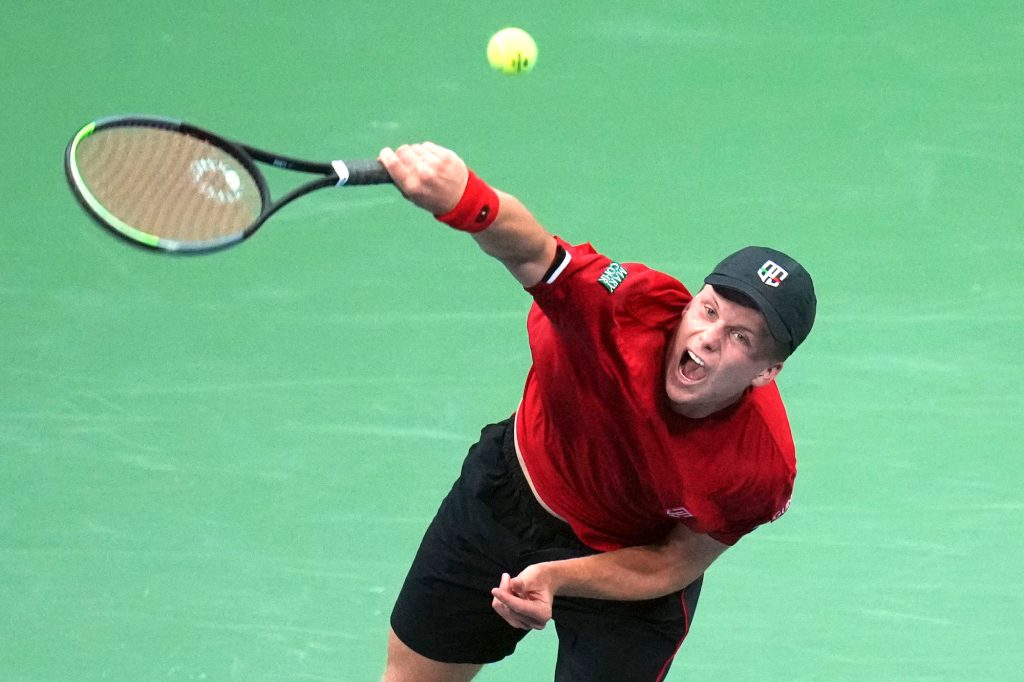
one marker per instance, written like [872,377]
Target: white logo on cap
[772,274]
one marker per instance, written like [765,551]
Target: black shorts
[490,523]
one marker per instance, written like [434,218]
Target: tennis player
[649,439]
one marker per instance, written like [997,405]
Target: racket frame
[245,155]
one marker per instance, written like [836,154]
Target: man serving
[650,438]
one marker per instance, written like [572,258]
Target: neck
[702,410]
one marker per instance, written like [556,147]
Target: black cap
[779,286]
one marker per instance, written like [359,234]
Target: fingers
[419,158]
[402,163]
[502,608]
[389,160]
[517,608]
[429,175]
[517,587]
[514,617]
[510,616]
[411,160]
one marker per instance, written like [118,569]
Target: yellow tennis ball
[512,51]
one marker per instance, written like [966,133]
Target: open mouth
[692,367]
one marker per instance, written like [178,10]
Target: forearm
[517,240]
[434,178]
[629,574]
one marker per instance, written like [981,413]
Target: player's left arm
[629,574]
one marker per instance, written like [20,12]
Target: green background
[218,468]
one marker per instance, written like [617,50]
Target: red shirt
[597,434]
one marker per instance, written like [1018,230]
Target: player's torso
[597,434]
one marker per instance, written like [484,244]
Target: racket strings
[168,184]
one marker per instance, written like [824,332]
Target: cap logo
[772,273]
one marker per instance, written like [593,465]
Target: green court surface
[218,468]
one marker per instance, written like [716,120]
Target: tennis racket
[174,187]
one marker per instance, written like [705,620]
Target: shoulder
[581,272]
[764,468]
[769,413]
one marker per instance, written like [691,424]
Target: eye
[710,312]
[742,338]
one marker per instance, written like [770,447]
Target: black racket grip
[365,172]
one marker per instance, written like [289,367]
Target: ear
[768,375]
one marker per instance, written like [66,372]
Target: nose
[711,338]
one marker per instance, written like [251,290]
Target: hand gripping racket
[167,185]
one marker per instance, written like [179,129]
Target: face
[718,351]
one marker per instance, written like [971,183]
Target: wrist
[552,574]
[476,210]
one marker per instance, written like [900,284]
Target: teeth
[695,358]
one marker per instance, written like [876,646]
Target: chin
[680,397]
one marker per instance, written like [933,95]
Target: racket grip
[361,172]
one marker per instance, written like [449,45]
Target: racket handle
[361,172]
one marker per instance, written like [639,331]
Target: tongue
[691,370]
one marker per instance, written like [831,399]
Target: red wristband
[477,208]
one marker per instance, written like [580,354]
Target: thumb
[517,587]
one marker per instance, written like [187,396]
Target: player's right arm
[434,179]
